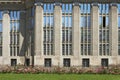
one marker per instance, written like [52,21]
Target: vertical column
[22,36]
[76,38]
[6,38]
[38,33]
[58,33]
[113,30]
[95,29]
[95,35]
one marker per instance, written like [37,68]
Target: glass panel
[119,8]
[89,21]
[85,8]
[81,21]
[1,15]
[81,7]
[103,8]
[52,21]
[67,8]
[48,8]
[0,26]
[66,21]
[107,21]
[119,22]
[100,21]
[70,21]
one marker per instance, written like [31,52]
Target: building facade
[61,33]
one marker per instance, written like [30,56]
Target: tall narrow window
[14,32]
[66,29]
[48,29]
[85,25]
[104,29]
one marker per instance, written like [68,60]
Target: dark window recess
[47,62]
[104,21]
[13,62]
[85,62]
[104,62]
[27,62]
[66,62]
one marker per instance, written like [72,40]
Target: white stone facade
[31,40]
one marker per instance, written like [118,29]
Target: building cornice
[80,1]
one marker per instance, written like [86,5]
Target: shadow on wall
[26,34]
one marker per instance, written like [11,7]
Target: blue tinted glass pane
[48,7]
[70,21]
[48,20]
[85,21]
[44,21]
[100,21]
[44,7]
[100,8]
[15,15]
[63,7]
[81,7]
[85,8]
[51,21]
[66,7]
[81,21]
[0,15]
[63,21]
[119,21]
[18,26]
[0,26]
[107,21]
[66,21]
[118,8]
[107,8]
[52,8]
[70,7]
[89,21]
[14,26]
[88,8]
[18,15]
[103,6]
[10,26]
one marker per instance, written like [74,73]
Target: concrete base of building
[56,61]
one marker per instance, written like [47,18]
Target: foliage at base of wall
[113,69]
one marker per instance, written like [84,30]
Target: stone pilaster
[113,29]
[76,38]
[95,29]
[38,33]
[58,32]
[6,38]
[95,35]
